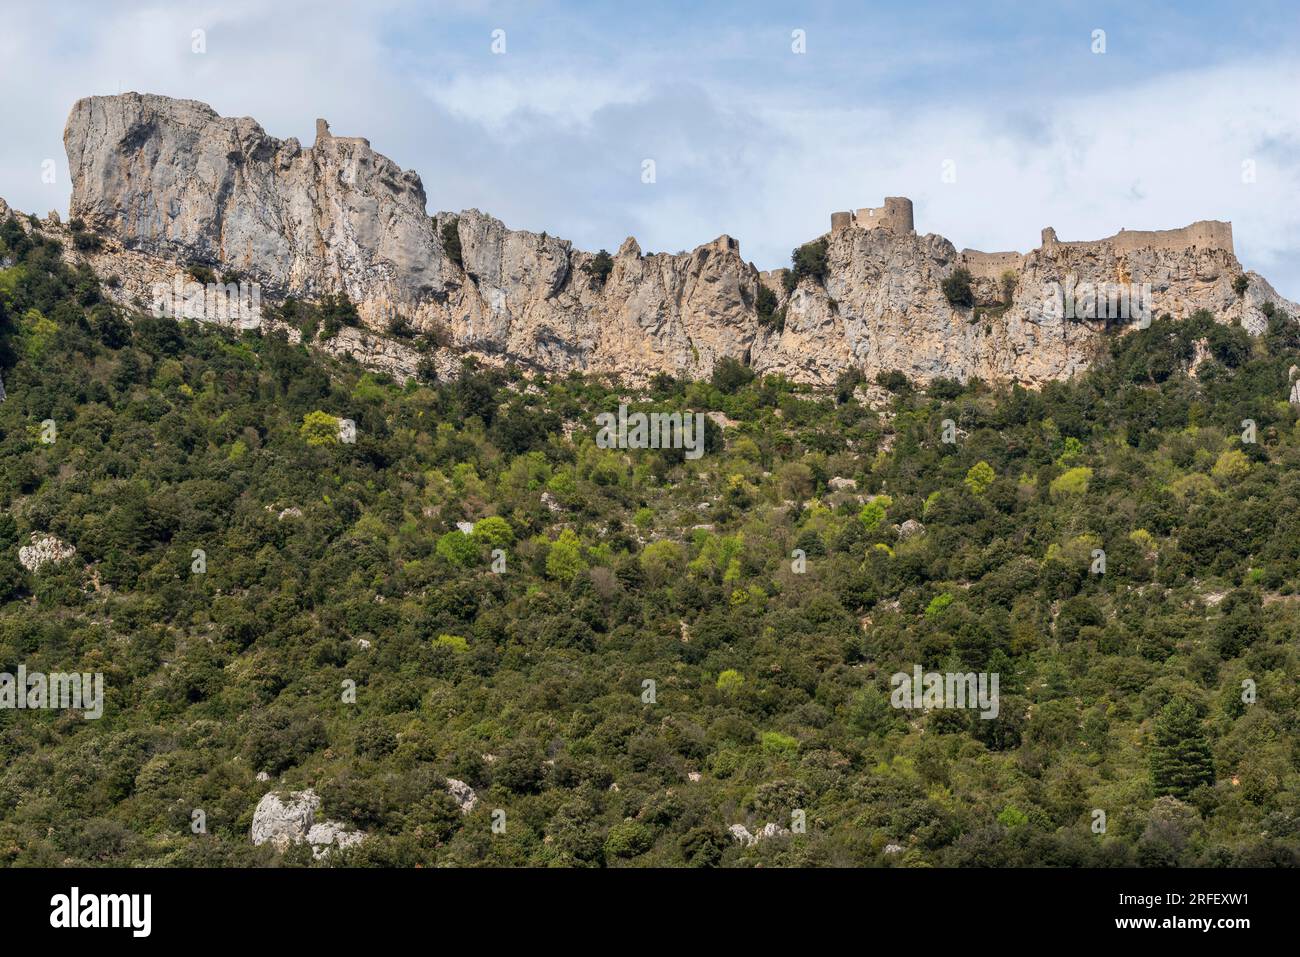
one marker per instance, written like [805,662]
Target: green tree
[957,288]
[979,478]
[662,561]
[450,234]
[564,559]
[730,374]
[730,681]
[458,548]
[599,267]
[1180,760]
[1070,483]
[494,531]
[808,261]
[319,428]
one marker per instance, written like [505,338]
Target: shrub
[1072,482]
[628,839]
[893,380]
[494,531]
[450,234]
[730,681]
[808,261]
[599,267]
[1231,466]
[662,561]
[458,548]
[564,558]
[774,742]
[455,643]
[87,242]
[937,605]
[319,428]
[873,513]
[765,305]
[731,374]
[201,274]
[957,288]
[979,478]
[1010,280]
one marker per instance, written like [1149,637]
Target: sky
[760,118]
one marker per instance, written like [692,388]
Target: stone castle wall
[1203,234]
[991,265]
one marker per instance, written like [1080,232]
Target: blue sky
[748,137]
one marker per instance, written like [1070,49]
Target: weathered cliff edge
[171,183]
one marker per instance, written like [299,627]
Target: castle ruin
[894,217]
[1204,234]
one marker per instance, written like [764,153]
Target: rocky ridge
[169,183]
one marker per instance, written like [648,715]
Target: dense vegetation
[1120,692]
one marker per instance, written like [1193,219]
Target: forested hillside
[328,562]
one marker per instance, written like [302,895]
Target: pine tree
[1181,760]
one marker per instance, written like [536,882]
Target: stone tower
[894,217]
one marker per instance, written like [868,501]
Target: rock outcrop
[44,550]
[292,820]
[741,834]
[464,795]
[171,183]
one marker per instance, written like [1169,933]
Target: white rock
[768,831]
[263,776]
[910,529]
[462,794]
[328,835]
[284,822]
[43,550]
[465,527]
[741,834]
[893,848]
[292,820]
[843,484]
[693,775]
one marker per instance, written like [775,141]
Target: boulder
[43,550]
[292,820]
[284,822]
[462,794]
[910,529]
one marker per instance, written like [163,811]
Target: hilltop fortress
[896,217]
[168,184]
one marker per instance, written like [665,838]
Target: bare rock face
[169,182]
[172,177]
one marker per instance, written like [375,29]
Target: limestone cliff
[169,182]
